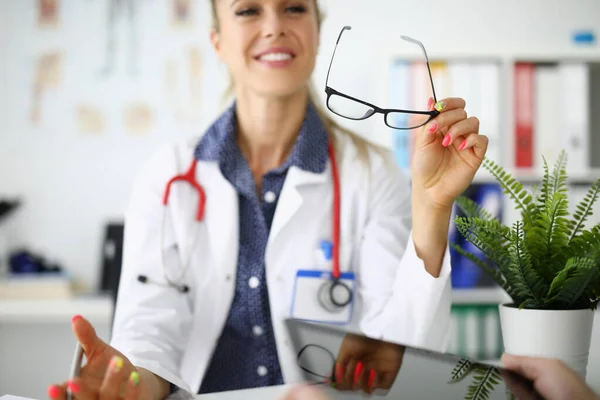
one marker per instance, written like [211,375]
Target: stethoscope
[333,295]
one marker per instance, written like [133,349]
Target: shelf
[479,296]
[94,308]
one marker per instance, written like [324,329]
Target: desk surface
[267,393]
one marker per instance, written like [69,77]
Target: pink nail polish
[357,371]
[462,145]
[371,378]
[433,127]
[447,140]
[429,103]
[53,392]
[339,373]
[73,387]
[75,318]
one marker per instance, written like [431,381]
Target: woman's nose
[273,25]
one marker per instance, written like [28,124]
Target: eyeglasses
[350,107]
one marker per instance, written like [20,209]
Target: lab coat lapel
[292,198]
[222,219]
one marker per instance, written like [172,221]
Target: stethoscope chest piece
[335,295]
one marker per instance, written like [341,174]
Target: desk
[268,393]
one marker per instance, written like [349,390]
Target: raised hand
[107,374]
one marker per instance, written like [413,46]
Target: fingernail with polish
[357,371]
[371,378]
[53,392]
[462,145]
[134,378]
[75,318]
[339,373]
[433,127]
[116,363]
[429,103]
[440,105]
[73,387]
[447,140]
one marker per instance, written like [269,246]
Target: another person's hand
[305,392]
[367,364]
[551,378]
[448,151]
[107,374]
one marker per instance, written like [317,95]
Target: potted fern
[548,262]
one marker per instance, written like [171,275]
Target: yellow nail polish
[134,378]
[440,105]
[116,363]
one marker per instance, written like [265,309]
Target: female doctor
[206,286]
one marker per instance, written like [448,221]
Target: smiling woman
[303,220]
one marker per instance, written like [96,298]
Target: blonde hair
[361,144]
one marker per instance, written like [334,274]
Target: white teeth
[276,57]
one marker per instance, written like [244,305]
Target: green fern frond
[484,380]
[462,368]
[559,175]
[514,189]
[545,185]
[583,211]
[527,283]
[472,209]
[587,244]
[493,272]
[491,237]
[571,282]
[547,240]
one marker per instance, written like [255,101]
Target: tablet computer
[423,374]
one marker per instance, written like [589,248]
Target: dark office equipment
[112,256]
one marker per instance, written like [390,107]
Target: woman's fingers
[86,336]
[445,120]
[57,392]
[450,103]
[358,377]
[461,129]
[132,391]
[479,144]
[370,381]
[113,380]
[80,390]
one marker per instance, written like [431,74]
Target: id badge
[312,296]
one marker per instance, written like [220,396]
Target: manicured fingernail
[116,363]
[73,387]
[429,103]
[462,145]
[75,318]
[134,378]
[371,378]
[53,392]
[440,105]
[447,140]
[339,373]
[357,371]
[433,127]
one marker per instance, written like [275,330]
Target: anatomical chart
[124,79]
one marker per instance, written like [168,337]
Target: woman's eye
[297,9]
[247,11]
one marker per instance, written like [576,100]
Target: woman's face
[270,46]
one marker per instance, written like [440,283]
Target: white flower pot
[561,334]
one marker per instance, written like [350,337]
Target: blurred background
[90,88]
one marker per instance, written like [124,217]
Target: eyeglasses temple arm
[334,49]
[415,41]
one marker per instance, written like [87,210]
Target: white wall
[73,183]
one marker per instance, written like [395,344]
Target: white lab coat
[174,334]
